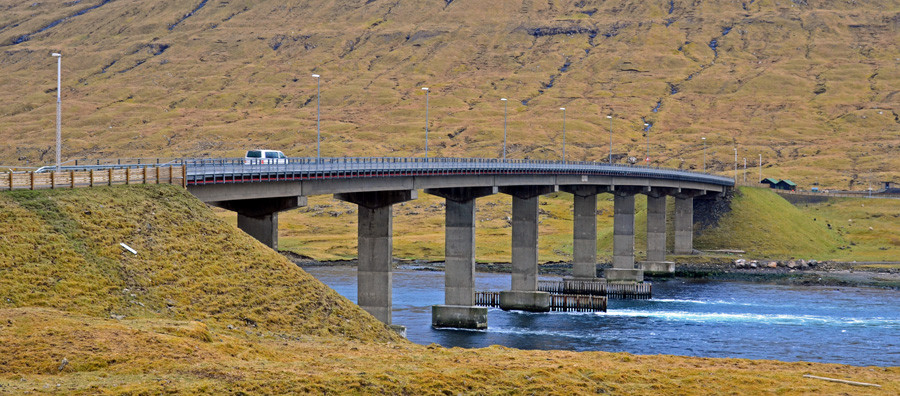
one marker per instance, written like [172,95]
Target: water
[845,325]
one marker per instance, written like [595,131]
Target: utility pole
[745,171]
[58,107]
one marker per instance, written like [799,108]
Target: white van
[256,157]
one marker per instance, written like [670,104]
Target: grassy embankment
[202,308]
[762,223]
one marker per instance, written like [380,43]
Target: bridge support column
[523,294]
[684,224]
[459,308]
[656,236]
[259,217]
[623,269]
[374,273]
[584,231]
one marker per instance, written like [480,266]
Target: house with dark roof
[786,185]
[770,181]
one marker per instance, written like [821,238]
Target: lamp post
[564,133]
[704,153]
[760,168]
[647,129]
[318,118]
[735,164]
[426,121]
[58,57]
[505,105]
[610,138]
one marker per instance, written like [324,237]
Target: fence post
[10,180]
[157,173]
[52,180]
[171,174]
[71,179]
[92,178]
[145,175]
[127,176]
[184,176]
[109,180]
[32,180]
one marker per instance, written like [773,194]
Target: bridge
[257,192]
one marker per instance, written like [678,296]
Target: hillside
[60,250]
[810,86]
[204,309]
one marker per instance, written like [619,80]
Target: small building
[770,181]
[786,185]
[891,188]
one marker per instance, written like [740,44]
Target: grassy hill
[810,86]
[204,309]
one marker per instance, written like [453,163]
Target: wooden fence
[90,178]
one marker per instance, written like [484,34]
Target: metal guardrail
[238,170]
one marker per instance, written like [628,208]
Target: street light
[704,153]
[318,118]
[426,121]
[647,129]
[58,57]
[610,138]
[735,164]
[505,105]
[564,133]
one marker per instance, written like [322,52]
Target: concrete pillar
[523,294]
[259,217]
[459,308]
[684,224]
[656,236]
[623,239]
[263,228]
[584,230]
[374,274]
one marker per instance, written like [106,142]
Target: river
[847,325]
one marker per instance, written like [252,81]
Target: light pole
[647,129]
[426,121]
[704,153]
[58,107]
[318,118]
[735,164]
[745,171]
[564,132]
[505,105]
[610,138]
[760,168]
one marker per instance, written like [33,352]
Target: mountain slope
[810,87]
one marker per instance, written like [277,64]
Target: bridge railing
[93,177]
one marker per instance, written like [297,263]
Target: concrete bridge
[258,192]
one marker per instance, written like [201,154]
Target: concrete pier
[259,217]
[684,224]
[459,308]
[374,275]
[623,239]
[584,230]
[523,294]
[656,235]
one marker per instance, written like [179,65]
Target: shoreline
[837,274]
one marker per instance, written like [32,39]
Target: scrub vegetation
[203,308]
[809,85]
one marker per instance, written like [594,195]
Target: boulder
[792,264]
[740,263]
[772,264]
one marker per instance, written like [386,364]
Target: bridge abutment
[375,236]
[523,294]
[459,308]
